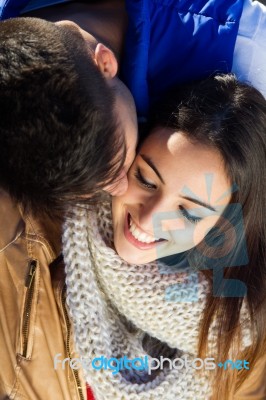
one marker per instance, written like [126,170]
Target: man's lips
[136,236]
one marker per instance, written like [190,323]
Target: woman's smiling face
[177,192]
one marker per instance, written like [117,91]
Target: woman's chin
[133,256]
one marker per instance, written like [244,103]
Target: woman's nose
[149,210]
[159,216]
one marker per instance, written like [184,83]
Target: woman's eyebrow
[199,202]
[151,164]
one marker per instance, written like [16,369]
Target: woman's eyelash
[143,181]
[148,185]
[190,218]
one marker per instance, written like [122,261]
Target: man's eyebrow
[199,202]
[151,164]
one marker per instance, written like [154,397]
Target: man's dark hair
[59,139]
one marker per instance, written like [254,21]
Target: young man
[67,130]
[68,125]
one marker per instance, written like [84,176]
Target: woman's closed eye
[151,186]
[191,218]
[143,181]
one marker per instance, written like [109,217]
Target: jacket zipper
[75,372]
[28,303]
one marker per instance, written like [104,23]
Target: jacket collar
[11,222]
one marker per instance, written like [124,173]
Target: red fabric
[89,394]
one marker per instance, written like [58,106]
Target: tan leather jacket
[34,324]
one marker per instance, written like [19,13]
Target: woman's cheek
[201,229]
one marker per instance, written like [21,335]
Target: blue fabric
[169,42]
[174,41]
[11,8]
[249,63]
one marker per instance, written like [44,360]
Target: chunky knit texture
[113,304]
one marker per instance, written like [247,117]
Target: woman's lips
[137,236]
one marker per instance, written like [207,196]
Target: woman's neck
[105,20]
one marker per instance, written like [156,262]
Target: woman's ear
[106,61]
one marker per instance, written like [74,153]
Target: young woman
[195,203]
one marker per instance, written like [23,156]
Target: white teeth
[142,237]
[139,235]
[133,228]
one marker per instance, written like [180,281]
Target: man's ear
[106,61]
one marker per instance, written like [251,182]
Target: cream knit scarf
[113,304]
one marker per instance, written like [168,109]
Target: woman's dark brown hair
[230,116]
